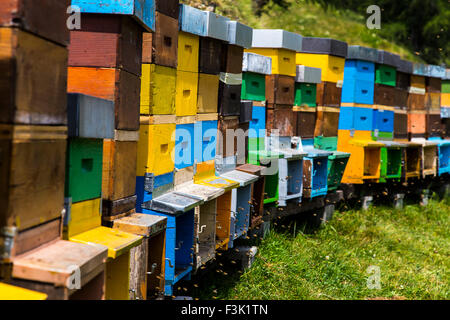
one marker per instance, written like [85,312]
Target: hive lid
[316,153]
[441,142]
[143,11]
[324,46]
[394,144]
[308,74]
[56,262]
[216,26]
[173,203]
[251,169]
[420,69]
[192,20]
[90,117]
[241,177]
[388,58]
[436,71]
[141,224]
[405,66]
[339,155]
[117,242]
[201,191]
[9,292]
[277,39]
[362,53]
[256,63]
[239,34]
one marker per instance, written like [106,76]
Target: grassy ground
[308,19]
[411,247]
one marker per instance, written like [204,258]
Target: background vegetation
[418,30]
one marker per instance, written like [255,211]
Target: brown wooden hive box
[161,47]
[280,89]
[33,79]
[107,41]
[45,18]
[328,94]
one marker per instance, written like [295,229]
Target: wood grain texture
[433,125]
[168,7]
[328,94]
[36,167]
[208,93]
[121,87]
[138,271]
[401,98]
[34,237]
[224,124]
[210,56]
[107,41]
[281,118]
[157,254]
[119,169]
[34,79]
[433,101]
[45,18]
[161,47]
[384,95]
[327,123]
[400,125]
[416,101]
[306,123]
[232,57]
[116,207]
[280,89]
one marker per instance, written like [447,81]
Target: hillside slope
[306,18]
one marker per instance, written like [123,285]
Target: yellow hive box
[205,175]
[158,88]
[119,244]
[186,97]
[8,292]
[445,99]
[332,67]
[188,52]
[283,61]
[208,93]
[155,149]
[364,162]
[84,216]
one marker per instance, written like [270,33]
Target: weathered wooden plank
[107,41]
[34,78]
[280,89]
[161,47]
[33,158]
[45,18]
[119,169]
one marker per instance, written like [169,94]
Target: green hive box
[336,167]
[381,135]
[325,143]
[261,158]
[391,164]
[253,86]
[386,75]
[305,94]
[84,169]
[445,86]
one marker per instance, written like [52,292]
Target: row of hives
[125,165]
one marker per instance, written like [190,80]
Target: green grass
[309,19]
[410,246]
